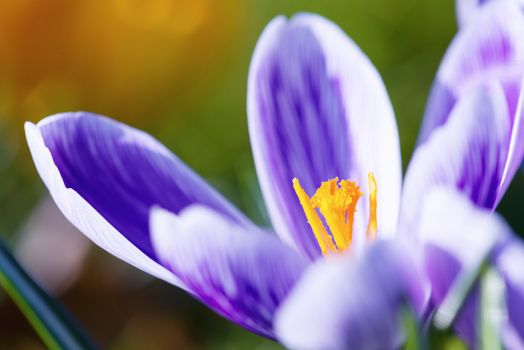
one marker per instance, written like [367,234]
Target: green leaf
[49,319]
[415,337]
[453,343]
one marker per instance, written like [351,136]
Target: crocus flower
[326,149]
[310,90]
[471,142]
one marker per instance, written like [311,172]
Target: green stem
[49,319]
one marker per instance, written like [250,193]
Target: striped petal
[348,304]
[241,275]
[469,153]
[488,49]
[105,176]
[317,110]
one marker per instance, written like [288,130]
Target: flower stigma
[336,201]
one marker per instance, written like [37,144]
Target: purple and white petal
[451,224]
[317,110]
[243,276]
[104,176]
[456,236]
[468,9]
[344,303]
[510,263]
[489,48]
[469,154]
[516,147]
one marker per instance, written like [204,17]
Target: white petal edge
[267,38]
[83,216]
[515,146]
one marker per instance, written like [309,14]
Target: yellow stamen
[337,205]
[351,209]
[337,202]
[323,238]
[372,225]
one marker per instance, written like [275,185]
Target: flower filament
[336,201]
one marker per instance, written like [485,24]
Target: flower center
[336,201]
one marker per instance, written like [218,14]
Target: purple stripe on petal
[317,110]
[468,154]
[486,50]
[243,276]
[81,214]
[344,303]
[121,172]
